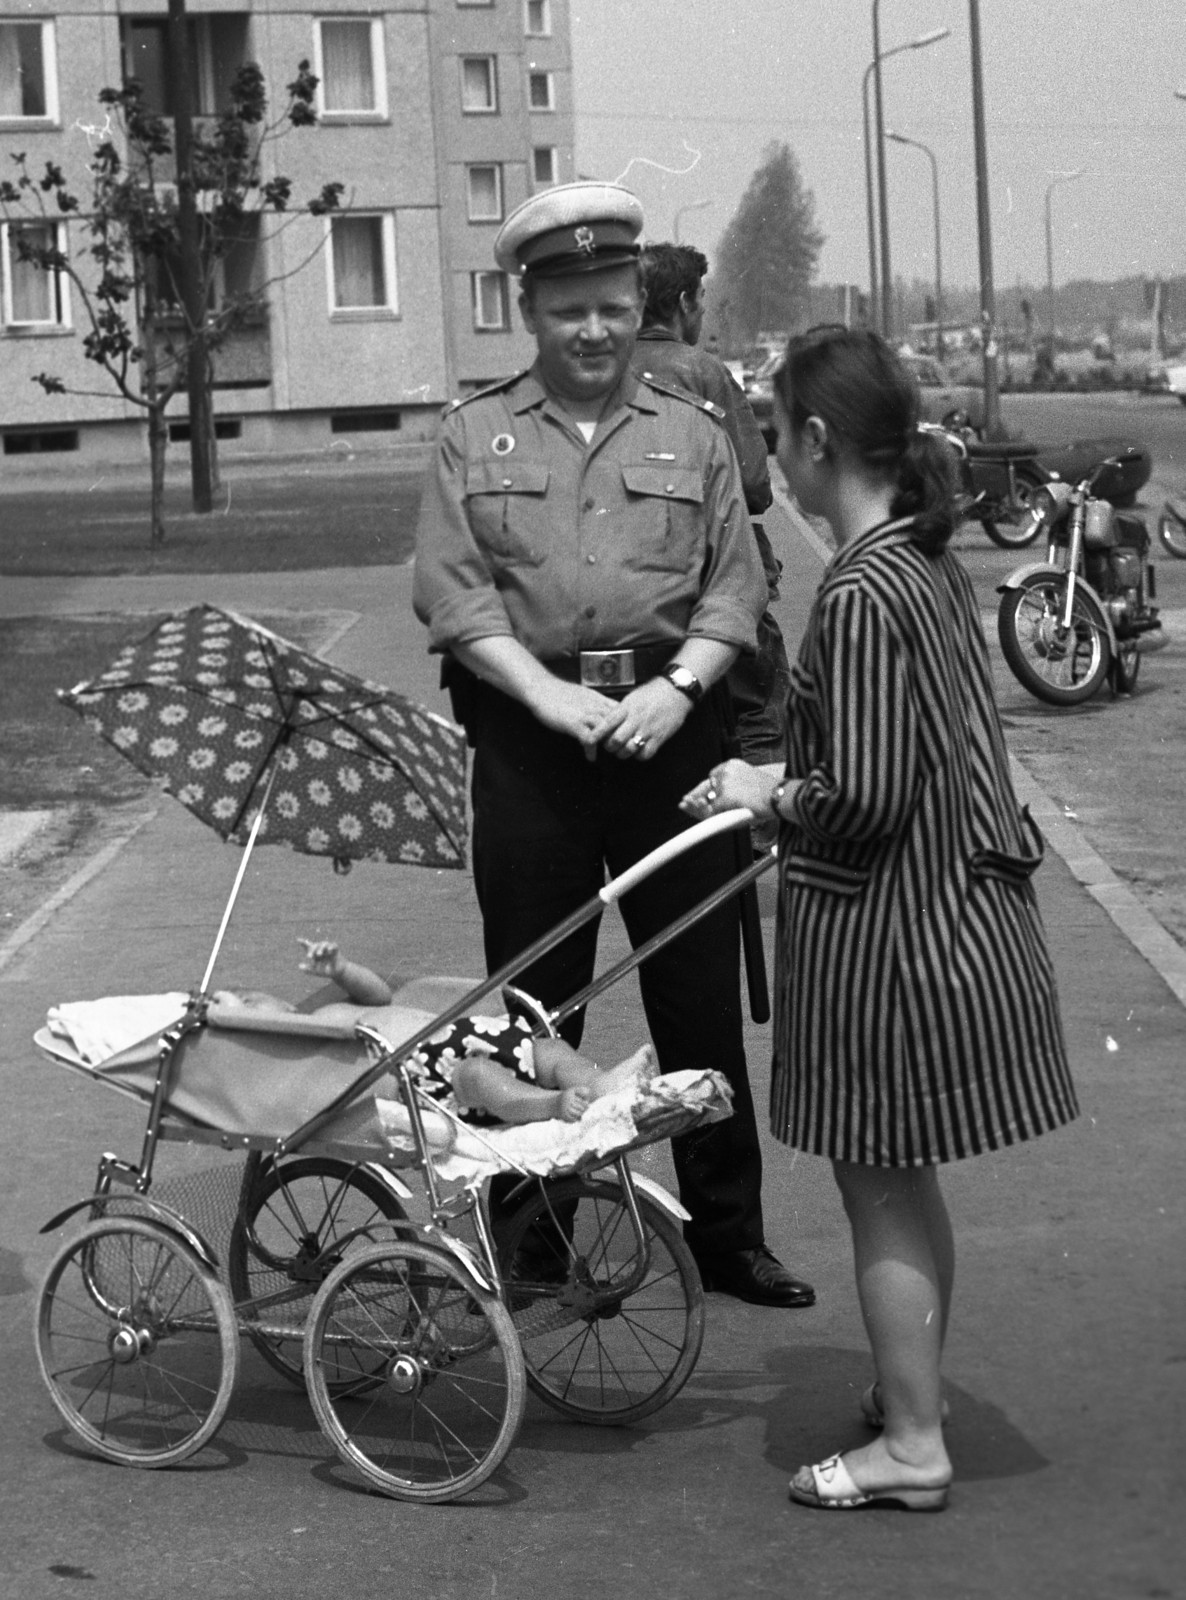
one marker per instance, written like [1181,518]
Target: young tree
[767,257]
[145,334]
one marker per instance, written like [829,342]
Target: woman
[916,1018]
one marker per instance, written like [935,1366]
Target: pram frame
[416,1248]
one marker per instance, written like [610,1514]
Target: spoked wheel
[1172,528]
[137,1342]
[415,1375]
[1126,664]
[1016,525]
[299,1219]
[606,1338]
[1063,666]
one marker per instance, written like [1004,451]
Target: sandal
[829,1487]
[873,1414]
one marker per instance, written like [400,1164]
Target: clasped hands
[732,784]
[632,728]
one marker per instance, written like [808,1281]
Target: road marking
[17,828]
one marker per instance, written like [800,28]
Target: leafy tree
[767,257]
[145,330]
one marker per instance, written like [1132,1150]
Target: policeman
[585,557]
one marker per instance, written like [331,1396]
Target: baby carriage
[416,1323]
[417,1346]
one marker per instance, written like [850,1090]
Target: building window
[540,91]
[537,18]
[491,302]
[486,3]
[362,265]
[28,72]
[479,83]
[32,297]
[544,166]
[484,191]
[350,64]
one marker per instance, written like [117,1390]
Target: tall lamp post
[694,205]
[882,313]
[900,138]
[1056,179]
[988,332]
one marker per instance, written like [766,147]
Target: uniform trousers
[547,825]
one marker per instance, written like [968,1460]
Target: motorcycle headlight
[1043,505]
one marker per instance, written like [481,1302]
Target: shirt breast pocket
[507,508]
[665,520]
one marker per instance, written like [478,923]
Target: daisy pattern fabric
[210,702]
[505,1040]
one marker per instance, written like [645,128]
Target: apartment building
[439,116]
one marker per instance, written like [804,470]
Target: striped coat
[916,1018]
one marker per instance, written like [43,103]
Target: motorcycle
[1086,612]
[997,479]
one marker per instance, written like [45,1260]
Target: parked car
[1169,377]
[940,395]
[759,391]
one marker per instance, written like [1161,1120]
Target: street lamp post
[900,138]
[923,40]
[1055,180]
[694,205]
[988,333]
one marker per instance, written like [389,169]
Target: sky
[1069,86]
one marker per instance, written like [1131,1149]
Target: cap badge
[584,240]
[502,444]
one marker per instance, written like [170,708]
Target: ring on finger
[639,741]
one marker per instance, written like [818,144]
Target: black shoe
[756,1276]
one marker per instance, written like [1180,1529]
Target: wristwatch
[683,679]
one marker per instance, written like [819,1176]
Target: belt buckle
[607,669]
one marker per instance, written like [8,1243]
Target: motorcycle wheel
[1015,526]
[1061,668]
[1126,664]
[1172,529]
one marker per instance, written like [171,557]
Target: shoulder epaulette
[697,400]
[489,388]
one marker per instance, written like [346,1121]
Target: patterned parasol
[235,720]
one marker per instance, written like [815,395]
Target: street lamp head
[1180,94]
[933,37]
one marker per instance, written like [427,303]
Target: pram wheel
[604,1341]
[137,1342]
[415,1375]
[296,1220]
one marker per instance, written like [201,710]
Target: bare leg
[904,1268]
[559,1066]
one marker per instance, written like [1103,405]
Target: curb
[33,925]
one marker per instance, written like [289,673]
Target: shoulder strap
[490,388]
[697,401]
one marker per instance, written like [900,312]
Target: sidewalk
[1065,1362]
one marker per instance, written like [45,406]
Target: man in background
[673,280]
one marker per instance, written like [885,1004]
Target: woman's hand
[732,784]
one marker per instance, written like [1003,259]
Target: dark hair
[668,272]
[854,382]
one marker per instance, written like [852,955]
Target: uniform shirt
[686,366]
[639,537]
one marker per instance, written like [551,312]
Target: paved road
[1066,1356]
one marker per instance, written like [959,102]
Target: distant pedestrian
[916,1018]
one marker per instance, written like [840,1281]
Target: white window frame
[391,280]
[473,3]
[375,113]
[550,80]
[480,111]
[61,279]
[544,183]
[475,279]
[49,61]
[484,216]
[545,29]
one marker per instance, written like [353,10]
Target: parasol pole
[239,876]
